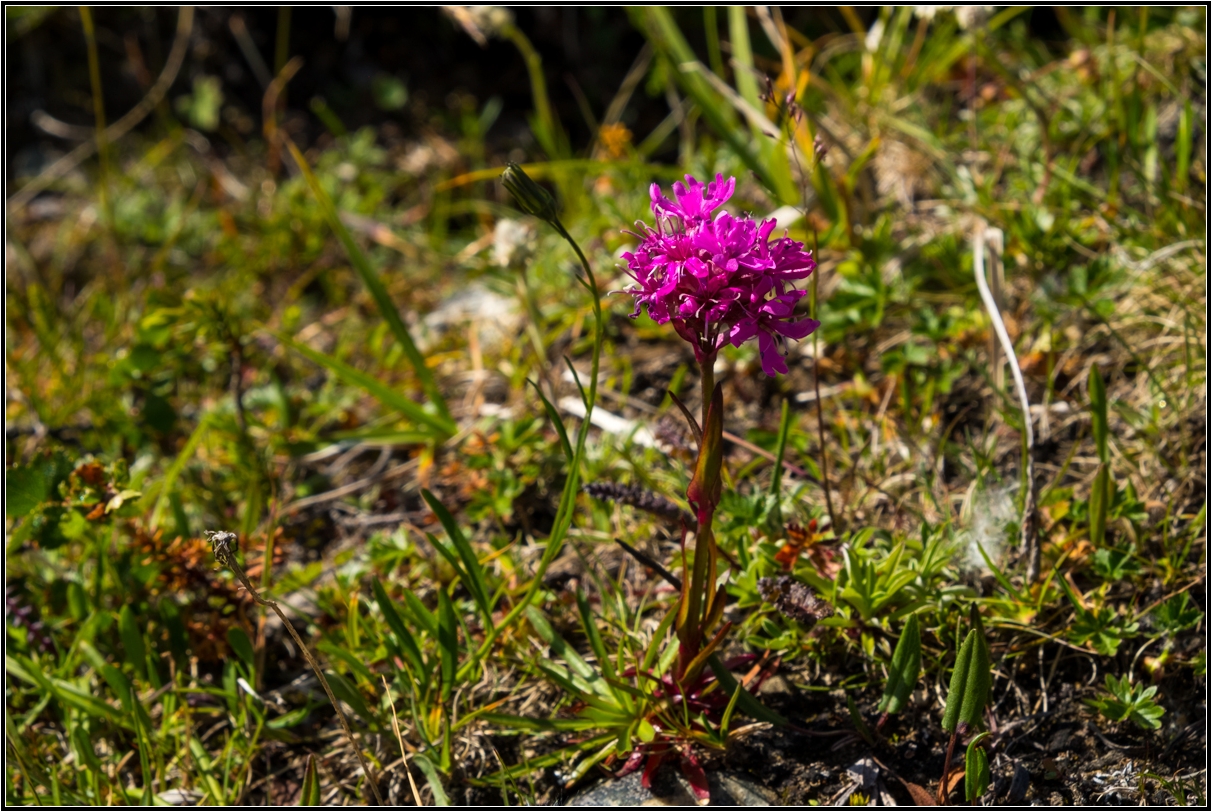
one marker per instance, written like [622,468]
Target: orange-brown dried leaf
[92,473]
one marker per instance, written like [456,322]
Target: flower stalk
[702,604]
[538,202]
[717,279]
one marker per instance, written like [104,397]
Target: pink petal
[798,329]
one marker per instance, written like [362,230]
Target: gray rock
[670,788]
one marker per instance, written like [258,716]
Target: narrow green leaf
[747,701]
[474,575]
[577,686]
[1098,412]
[658,639]
[423,617]
[448,643]
[605,665]
[143,743]
[576,379]
[452,559]
[356,665]
[389,397]
[535,764]
[132,641]
[85,752]
[560,647]
[205,766]
[405,642]
[554,416]
[976,770]
[983,682]
[664,33]
[1100,505]
[310,795]
[433,778]
[116,679]
[345,691]
[904,669]
[377,290]
[515,723]
[174,470]
[289,720]
[1182,147]
[742,53]
[27,670]
[780,449]
[725,720]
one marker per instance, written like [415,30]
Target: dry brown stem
[225,553]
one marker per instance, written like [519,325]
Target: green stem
[699,579]
[563,522]
[230,561]
[707,375]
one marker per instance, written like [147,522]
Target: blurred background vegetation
[205,330]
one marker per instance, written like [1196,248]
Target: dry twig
[225,545]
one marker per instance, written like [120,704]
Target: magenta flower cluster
[719,279]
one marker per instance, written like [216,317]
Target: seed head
[225,545]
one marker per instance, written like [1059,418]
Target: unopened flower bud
[530,196]
[820,147]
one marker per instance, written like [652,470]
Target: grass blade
[472,574]
[556,422]
[310,796]
[448,643]
[404,639]
[1098,412]
[747,701]
[389,397]
[174,470]
[665,35]
[560,647]
[422,616]
[433,778]
[595,637]
[345,691]
[373,284]
[544,725]
[132,641]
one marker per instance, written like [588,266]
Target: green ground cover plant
[341,468]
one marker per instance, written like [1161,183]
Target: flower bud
[820,146]
[530,196]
